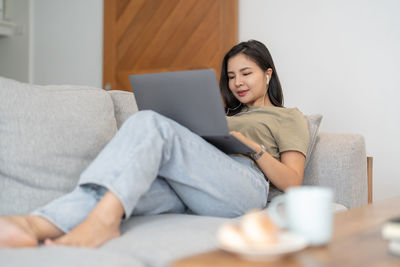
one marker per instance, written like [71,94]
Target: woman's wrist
[259,152]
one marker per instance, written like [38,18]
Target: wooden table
[356,241]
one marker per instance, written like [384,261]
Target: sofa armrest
[339,161]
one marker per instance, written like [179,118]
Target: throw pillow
[314,122]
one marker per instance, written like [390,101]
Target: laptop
[191,98]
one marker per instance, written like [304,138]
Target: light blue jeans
[154,165]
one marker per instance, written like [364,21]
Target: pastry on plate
[255,230]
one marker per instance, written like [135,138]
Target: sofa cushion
[158,240]
[48,135]
[65,257]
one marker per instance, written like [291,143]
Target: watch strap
[258,155]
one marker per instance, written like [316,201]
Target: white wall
[14,50]
[68,42]
[341,59]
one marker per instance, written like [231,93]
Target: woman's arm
[283,174]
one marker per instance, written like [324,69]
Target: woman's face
[247,81]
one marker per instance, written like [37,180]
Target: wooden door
[144,36]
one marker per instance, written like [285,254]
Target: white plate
[288,243]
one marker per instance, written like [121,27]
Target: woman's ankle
[109,210]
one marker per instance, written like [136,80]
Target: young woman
[154,165]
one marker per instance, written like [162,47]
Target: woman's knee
[145,118]
[144,115]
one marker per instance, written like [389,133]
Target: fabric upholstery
[124,105]
[340,161]
[171,236]
[314,122]
[65,257]
[48,135]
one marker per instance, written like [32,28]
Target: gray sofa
[49,134]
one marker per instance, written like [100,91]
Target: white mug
[307,211]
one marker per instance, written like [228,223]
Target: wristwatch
[258,155]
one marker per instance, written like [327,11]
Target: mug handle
[273,211]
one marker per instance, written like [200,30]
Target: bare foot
[100,226]
[90,233]
[16,232]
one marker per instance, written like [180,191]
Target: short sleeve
[293,134]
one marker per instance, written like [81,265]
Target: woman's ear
[269,74]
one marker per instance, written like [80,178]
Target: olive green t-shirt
[278,129]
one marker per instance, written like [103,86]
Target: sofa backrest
[48,136]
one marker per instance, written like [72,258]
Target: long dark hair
[259,53]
